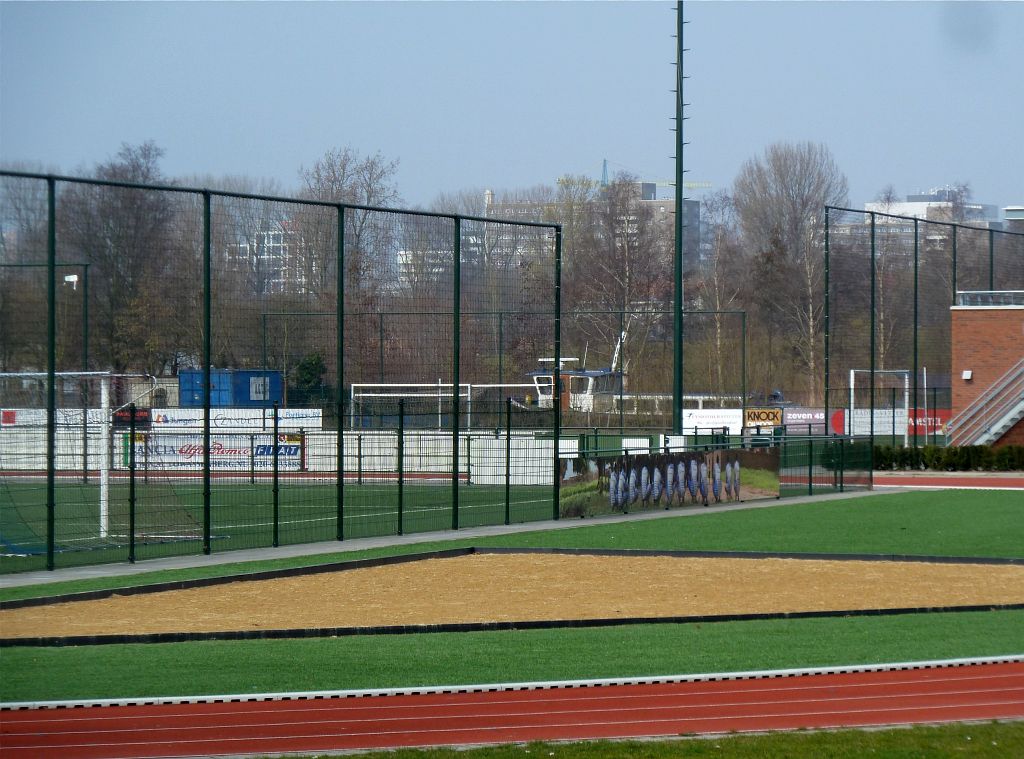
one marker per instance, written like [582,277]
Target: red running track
[952,481]
[985,691]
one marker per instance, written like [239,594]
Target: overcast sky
[504,95]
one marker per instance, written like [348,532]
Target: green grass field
[169,516]
[948,523]
[984,741]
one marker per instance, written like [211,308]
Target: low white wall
[23,448]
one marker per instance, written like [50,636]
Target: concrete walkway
[361,544]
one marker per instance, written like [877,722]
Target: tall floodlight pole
[677,305]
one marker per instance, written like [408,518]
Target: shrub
[931,457]
[883,457]
[966,458]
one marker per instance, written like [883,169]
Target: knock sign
[762,417]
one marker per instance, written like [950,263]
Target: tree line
[760,251]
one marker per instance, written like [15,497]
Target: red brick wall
[1014,437]
[988,341]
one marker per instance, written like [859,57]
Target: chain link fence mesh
[367,371]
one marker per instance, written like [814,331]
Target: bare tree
[780,199]
[623,265]
[124,234]
[23,240]
[894,270]
[342,175]
[575,206]
[719,282]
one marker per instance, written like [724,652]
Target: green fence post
[501,347]
[827,326]
[276,491]
[339,347]
[252,458]
[456,358]
[508,460]
[954,263]
[207,359]
[51,369]
[622,378]
[359,459]
[556,388]
[131,483]
[783,459]
[678,300]
[893,407]
[263,332]
[842,464]
[810,465]
[742,399]
[85,367]
[401,466]
[917,246]
[380,344]
[871,358]
[991,259]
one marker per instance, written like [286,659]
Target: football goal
[888,412]
[91,430]
[375,404]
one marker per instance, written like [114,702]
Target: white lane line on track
[951,487]
[520,686]
[1016,699]
[1004,714]
[591,697]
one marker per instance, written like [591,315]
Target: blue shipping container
[257,388]
[190,388]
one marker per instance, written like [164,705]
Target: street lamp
[72,279]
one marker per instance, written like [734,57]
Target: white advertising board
[240,453]
[256,420]
[712,417]
[238,419]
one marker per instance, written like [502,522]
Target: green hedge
[965,458]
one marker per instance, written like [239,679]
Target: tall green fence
[890,283]
[617,364]
[247,332]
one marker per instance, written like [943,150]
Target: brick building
[988,369]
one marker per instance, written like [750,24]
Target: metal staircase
[992,413]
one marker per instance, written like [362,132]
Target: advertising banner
[241,453]
[123,418]
[837,422]
[931,422]
[36,417]
[762,417]
[712,417]
[238,419]
[800,419]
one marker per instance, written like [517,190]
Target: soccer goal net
[374,405]
[91,450]
[880,407]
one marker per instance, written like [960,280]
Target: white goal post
[874,421]
[105,418]
[362,394]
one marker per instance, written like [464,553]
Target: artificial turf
[989,740]
[950,523]
[936,523]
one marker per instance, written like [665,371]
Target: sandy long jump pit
[506,587]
